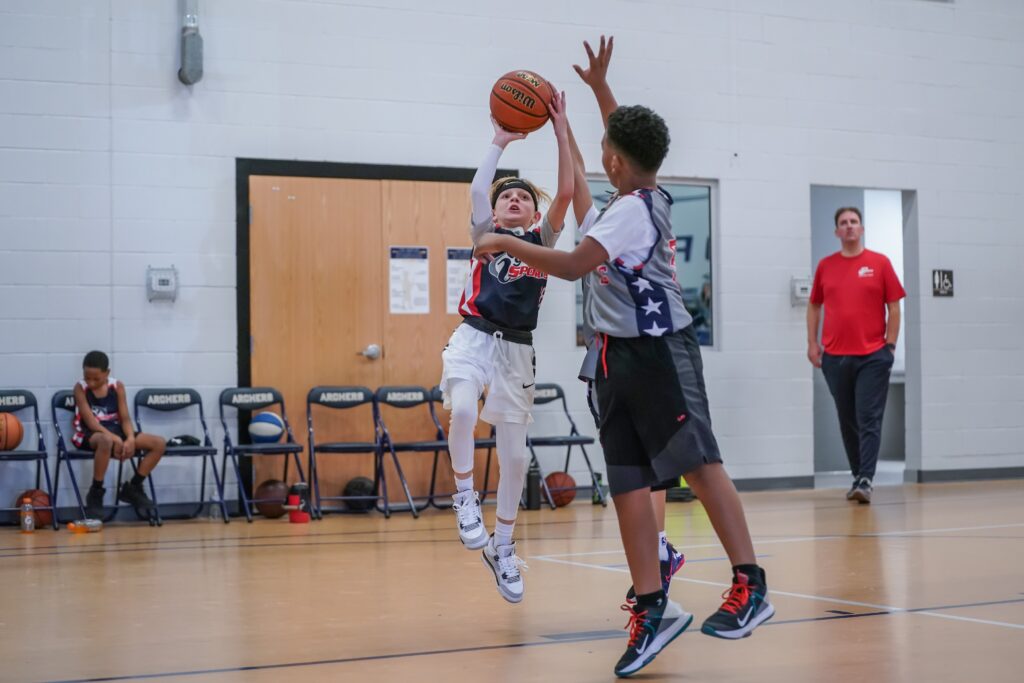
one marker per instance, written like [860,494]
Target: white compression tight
[463,421]
[511,440]
[513,461]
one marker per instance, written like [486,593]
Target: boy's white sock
[503,532]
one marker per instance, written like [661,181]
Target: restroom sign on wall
[942,283]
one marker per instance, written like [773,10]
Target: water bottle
[85,526]
[28,516]
[533,487]
[214,513]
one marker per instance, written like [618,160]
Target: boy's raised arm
[596,75]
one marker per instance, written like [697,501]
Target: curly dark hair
[639,134]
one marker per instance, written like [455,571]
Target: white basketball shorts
[506,368]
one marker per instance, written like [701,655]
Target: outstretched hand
[502,137]
[556,110]
[596,72]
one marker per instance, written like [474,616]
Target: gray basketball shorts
[655,423]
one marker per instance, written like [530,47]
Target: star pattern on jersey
[653,314]
[641,285]
[652,306]
[655,331]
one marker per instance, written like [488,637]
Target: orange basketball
[519,101]
[39,500]
[562,488]
[11,432]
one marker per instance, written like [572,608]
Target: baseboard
[774,483]
[935,476]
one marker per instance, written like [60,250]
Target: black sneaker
[650,630]
[862,491]
[94,503]
[853,487]
[669,567]
[745,608]
[137,498]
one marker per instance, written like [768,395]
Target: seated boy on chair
[104,425]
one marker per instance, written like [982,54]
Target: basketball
[276,491]
[519,101]
[39,500]
[562,488]
[11,431]
[266,428]
[359,486]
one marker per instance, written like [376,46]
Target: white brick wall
[108,164]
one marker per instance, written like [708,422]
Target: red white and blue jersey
[507,292]
[105,410]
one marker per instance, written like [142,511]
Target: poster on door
[458,270]
[409,281]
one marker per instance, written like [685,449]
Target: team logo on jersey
[865,271]
[506,269]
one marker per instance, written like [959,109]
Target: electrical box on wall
[161,283]
[799,290]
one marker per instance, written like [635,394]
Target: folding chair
[170,400]
[246,400]
[14,401]
[548,393]
[405,398]
[64,402]
[345,398]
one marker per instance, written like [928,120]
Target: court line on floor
[225,543]
[551,639]
[803,596]
[804,539]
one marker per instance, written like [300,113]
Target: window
[691,225]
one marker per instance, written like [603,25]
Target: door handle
[371,352]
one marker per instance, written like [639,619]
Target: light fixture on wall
[191,70]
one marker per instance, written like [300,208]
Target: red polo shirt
[855,291]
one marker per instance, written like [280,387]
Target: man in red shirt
[858,288]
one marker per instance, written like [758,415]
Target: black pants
[859,385]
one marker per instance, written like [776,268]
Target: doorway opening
[890,223]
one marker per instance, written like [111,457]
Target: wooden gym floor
[927,584]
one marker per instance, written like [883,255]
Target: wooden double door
[319,271]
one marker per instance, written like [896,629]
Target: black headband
[510,184]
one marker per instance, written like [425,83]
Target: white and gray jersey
[639,299]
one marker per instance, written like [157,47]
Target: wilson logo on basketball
[518,95]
